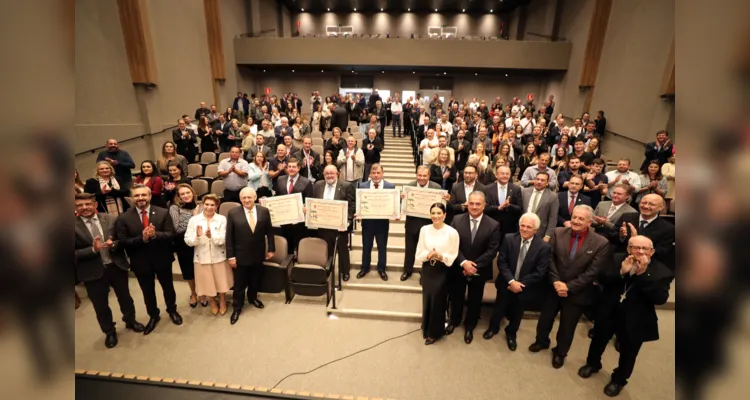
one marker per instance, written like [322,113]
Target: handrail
[253,34]
[92,150]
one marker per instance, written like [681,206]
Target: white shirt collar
[380,184]
[479,219]
[529,240]
[648,221]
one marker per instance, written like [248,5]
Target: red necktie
[572,204]
[144,218]
[291,185]
[377,185]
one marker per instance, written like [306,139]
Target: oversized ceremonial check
[378,204]
[417,201]
[285,209]
[327,214]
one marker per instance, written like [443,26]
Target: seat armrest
[329,264]
[286,263]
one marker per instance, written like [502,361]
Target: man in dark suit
[578,254]
[309,160]
[633,286]
[479,242]
[504,201]
[522,266]
[249,233]
[375,229]
[340,118]
[460,192]
[184,140]
[259,147]
[649,224]
[241,104]
[100,263]
[202,111]
[660,150]
[292,183]
[146,232]
[414,224]
[569,199]
[461,149]
[333,188]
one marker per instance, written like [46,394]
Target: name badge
[590,252]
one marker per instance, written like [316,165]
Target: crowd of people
[534,196]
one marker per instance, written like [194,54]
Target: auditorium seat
[316,134]
[200,186]
[276,269]
[207,158]
[312,274]
[211,173]
[317,141]
[224,208]
[223,156]
[217,188]
[195,170]
[490,292]
[318,149]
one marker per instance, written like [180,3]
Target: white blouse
[207,250]
[444,240]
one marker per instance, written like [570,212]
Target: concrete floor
[267,345]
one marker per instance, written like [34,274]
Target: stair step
[365,303]
[410,176]
[390,267]
[393,240]
[393,231]
[372,281]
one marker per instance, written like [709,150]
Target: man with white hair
[282,130]
[633,286]
[522,264]
[249,231]
[578,254]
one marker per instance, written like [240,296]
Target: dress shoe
[512,345]
[587,370]
[258,304]
[617,345]
[191,304]
[111,340]
[558,361]
[345,277]
[135,326]
[151,325]
[429,341]
[613,389]
[405,276]
[361,274]
[176,318]
[235,316]
[537,347]
[591,333]
[488,334]
[383,275]
[449,329]
[469,337]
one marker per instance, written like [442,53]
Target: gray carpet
[267,345]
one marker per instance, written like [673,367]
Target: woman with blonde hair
[442,171]
[185,206]
[206,233]
[482,157]
[110,198]
[169,157]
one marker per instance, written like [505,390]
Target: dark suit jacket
[436,175]
[344,191]
[249,247]
[92,186]
[644,292]
[508,217]
[340,118]
[156,252]
[250,155]
[484,248]
[533,270]
[660,231]
[414,224]
[88,263]
[458,196]
[314,167]
[562,198]
[376,225]
[653,154]
[578,274]
[301,185]
[372,156]
[461,156]
[185,147]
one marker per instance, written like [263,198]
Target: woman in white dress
[206,232]
[437,248]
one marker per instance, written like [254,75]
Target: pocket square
[589,251]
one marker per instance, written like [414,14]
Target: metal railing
[94,149]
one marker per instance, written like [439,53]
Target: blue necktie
[575,246]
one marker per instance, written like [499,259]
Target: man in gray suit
[608,212]
[100,263]
[542,202]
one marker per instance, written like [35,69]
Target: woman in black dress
[437,249]
[174,179]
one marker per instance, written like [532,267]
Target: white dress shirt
[469,188]
[534,199]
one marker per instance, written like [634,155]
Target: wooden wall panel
[667,85]
[138,45]
[595,43]
[215,43]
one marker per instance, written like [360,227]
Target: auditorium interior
[141,65]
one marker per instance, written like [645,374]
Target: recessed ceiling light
[381,9]
[408,9]
[355,9]
[445,73]
[475,74]
[264,70]
[490,10]
[413,72]
[506,74]
[303,10]
[328,9]
[293,71]
[463,10]
[382,72]
[436,10]
[321,70]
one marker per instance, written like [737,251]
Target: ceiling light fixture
[292,70]
[381,9]
[328,9]
[445,73]
[382,72]
[264,70]
[506,74]
[355,9]
[413,72]
[408,9]
[490,10]
[463,10]
[475,74]
[436,10]
[303,10]
[321,70]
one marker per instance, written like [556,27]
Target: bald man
[649,224]
[632,287]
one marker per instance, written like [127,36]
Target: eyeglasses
[640,248]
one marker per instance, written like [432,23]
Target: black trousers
[368,237]
[411,238]
[145,275]
[570,314]
[604,329]
[98,291]
[434,299]
[231,195]
[330,235]
[458,284]
[184,257]
[293,233]
[246,278]
[507,305]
